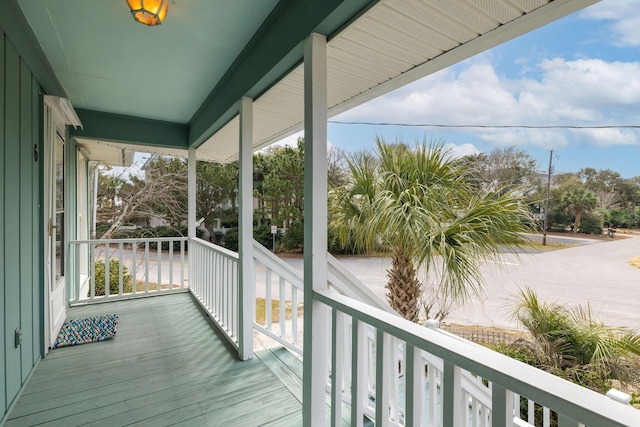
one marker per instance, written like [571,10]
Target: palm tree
[578,201]
[416,202]
[572,343]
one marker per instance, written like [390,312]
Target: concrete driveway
[597,274]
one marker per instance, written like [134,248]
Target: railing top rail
[348,284]
[222,251]
[581,404]
[139,240]
[290,274]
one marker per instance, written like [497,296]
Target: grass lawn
[261,311]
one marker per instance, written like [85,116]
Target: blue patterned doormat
[89,329]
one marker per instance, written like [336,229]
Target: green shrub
[294,237]
[114,277]
[262,234]
[231,240]
[590,225]
[517,351]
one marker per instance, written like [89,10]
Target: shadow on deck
[167,365]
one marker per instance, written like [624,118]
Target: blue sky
[582,70]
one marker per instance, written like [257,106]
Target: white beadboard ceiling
[394,43]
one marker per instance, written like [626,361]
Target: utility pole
[546,202]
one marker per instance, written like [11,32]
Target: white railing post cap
[619,396]
[432,324]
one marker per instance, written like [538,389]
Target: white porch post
[191,181]
[191,207]
[315,229]
[246,290]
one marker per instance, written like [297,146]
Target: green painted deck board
[167,365]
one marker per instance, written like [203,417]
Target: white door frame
[55,288]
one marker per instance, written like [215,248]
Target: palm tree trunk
[403,288]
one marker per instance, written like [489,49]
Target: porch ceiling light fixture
[149,12]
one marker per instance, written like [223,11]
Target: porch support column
[315,230]
[191,207]
[191,182]
[246,288]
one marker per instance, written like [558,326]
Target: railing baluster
[414,386]
[531,411]
[171,264]
[182,264]
[546,417]
[146,267]
[451,395]
[501,407]
[392,361]
[107,269]
[358,391]
[283,316]
[382,378]
[77,284]
[267,299]
[337,346]
[134,268]
[159,265]
[120,269]
[475,412]
[433,396]
[294,313]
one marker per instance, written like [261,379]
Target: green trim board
[119,128]
[16,27]
[276,48]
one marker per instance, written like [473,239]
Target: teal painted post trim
[17,29]
[38,230]
[3,399]
[26,223]
[129,129]
[12,220]
[275,49]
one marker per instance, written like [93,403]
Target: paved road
[598,274]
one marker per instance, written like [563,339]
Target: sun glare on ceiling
[149,12]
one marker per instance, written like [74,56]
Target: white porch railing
[399,393]
[421,376]
[276,281]
[213,280]
[125,268]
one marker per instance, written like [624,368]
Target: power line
[485,126]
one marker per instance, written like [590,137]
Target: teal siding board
[21,238]
[26,222]
[37,233]
[12,219]
[17,29]
[3,398]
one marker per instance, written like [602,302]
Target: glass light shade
[149,12]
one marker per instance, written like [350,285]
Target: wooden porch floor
[167,365]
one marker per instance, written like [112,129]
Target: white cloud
[586,92]
[623,17]
[462,149]
[292,141]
